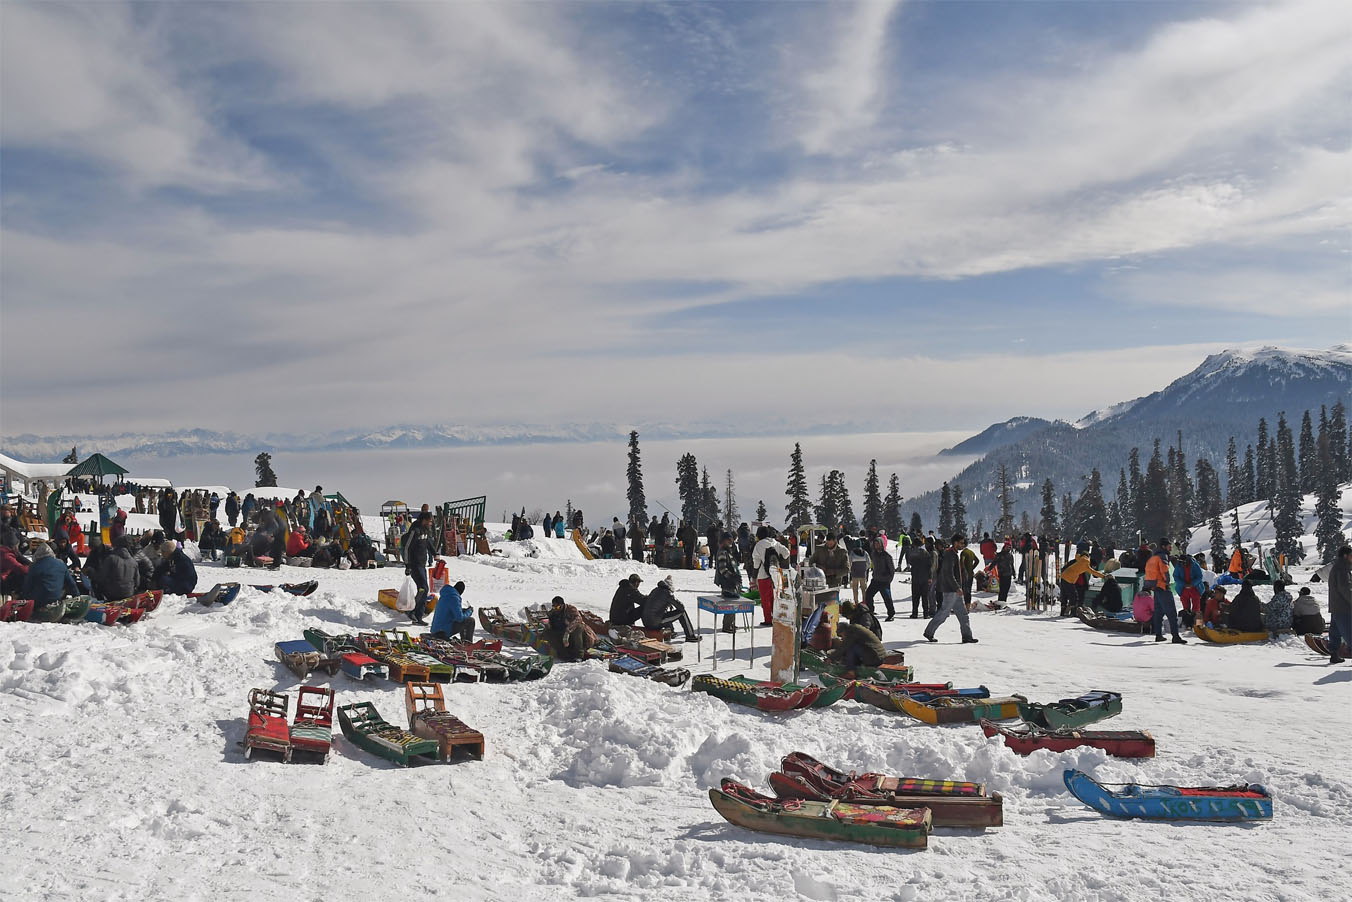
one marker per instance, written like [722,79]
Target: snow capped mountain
[998,435]
[1269,379]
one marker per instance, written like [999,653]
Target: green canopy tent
[97,465]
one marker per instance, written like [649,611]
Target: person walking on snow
[767,554]
[881,584]
[950,587]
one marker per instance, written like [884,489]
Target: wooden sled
[428,718]
[1320,646]
[367,730]
[267,728]
[1227,637]
[301,658]
[359,666]
[872,824]
[671,676]
[961,710]
[312,729]
[1118,743]
[1172,803]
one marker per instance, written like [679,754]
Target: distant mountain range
[1224,396]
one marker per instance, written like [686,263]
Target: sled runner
[1118,743]
[951,803]
[1071,713]
[1243,802]
[1320,645]
[1123,623]
[876,825]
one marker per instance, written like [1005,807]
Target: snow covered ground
[123,777]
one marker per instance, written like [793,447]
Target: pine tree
[1114,527]
[959,511]
[1217,537]
[72,458]
[799,509]
[1026,522]
[1048,525]
[892,507]
[1233,478]
[1005,525]
[1068,525]
[945,511]
[916,526]
[1286,521]
[1305,459]
[1182,512]
[843,504]
[761,513]
[568,512]
[638,504]
[1249,476]
[708,511]
[1089,512]
[1268,464]
[1133,514]
[688,487]
[1154,498]
[827,513]
[731,515]
[1328,530]
[873,499]
[1236,537]
[263,475]
[1126,521]
[1340,444]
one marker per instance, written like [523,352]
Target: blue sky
[491,213]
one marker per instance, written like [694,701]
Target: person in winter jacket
[988,550]
[1306,617]
[637,541]
[212,541]
[569,633]
[232,508]
[419,551]
[118,574]
[617,530]
[118,527]
[547,526]
[247,508]
[13,566]
[48,579]
[453,617]
[857,645]
[689,538]
[833,561]
[1340,603]
[881,584]
[63,550]
[920,559]
[607,545]
[298,544]
[967,561]
[168,511]
[1278,617]
[98,553]
[1074,579]
[766,555]
[175,575]
[1157,576]
[1246,612]
[658,531]
[950,586]
[626,605]
[857,613]
[661,608]
[558,525]
[859,568]
[1004,571]
[1188,578]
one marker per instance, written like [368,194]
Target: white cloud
[842,96]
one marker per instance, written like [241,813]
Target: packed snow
[124,777]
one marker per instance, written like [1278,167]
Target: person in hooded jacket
[118,574]
[49,580]
[98,553]
[637,541]
[688,538]
[856,644]
[569,633]
[176,574]
[766,555]
[168,511]
[419,550]
[1157,577]
[1004,571]
[881,584]
[626,606]
[1246,612]
[919,558]
[661,609]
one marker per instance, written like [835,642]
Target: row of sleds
[815,801]
[82,608]
[398,656]
[633,651]
[433,734]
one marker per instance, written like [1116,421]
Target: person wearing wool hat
[568,632]
[626,605]
[49,580]
[175,573]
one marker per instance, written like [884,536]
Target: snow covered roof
[150,482]
[272,493]
[33,471]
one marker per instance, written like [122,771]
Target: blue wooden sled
[1207,803]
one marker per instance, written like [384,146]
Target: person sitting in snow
[119,574]
[212,541]
[860,614]
[1306,617]
[626,605]
[660,609]
[175,575]
[1215,607]
[13,565]
[49,580]
[453,617]
[1074,579]
[568,632]
[298,544]
[1246,612]
[1277,615]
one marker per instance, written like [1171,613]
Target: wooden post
[784,652]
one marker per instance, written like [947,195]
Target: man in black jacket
[950,587]
[419,551]
[881,584]
[920,560]
[118,573]
[661,608]
[626,606]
